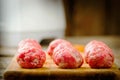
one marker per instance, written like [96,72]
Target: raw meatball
[55,43]
[27,43]
[30,54]
[98,55]
[66,56]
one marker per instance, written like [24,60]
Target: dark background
[92,17]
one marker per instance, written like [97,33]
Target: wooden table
[113,41]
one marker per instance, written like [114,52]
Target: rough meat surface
[98,55]
[64,54]
[27,43]
[30,54]
[67,57]
[54,44]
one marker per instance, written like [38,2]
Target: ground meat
[98,55]
[27,43]
[54,44]
[64,54]
[30,54]
[67,57]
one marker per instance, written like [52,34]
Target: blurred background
[92,17]
[36,19]
[40,19]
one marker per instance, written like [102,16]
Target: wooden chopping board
[52,72]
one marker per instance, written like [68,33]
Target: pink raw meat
[29,42]
[30,54]
[54,44]
[66,56]
[98,55]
